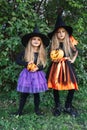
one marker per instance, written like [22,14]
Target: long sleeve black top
[20,60]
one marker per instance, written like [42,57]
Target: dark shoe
[71,111]
[39,113]
[17,113]
[57,110]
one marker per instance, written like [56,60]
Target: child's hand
[30,62]
[69,59]
[34,69]
[55,61]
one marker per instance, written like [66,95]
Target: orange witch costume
[62,76]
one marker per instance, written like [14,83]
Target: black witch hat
[35,33]
[60,23]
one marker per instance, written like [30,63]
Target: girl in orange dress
[62,76]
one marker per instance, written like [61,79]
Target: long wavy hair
[29,53]
[67,45]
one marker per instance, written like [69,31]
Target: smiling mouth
[61,37]
[35,43]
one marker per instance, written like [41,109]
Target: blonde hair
[67,45]
[29,53]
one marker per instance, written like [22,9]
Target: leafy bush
[19,17]
[16,19]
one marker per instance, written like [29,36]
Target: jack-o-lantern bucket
[56,54]
[31,66]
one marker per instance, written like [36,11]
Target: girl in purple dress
[32,78]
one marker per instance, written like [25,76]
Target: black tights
[23,98]
[69,97]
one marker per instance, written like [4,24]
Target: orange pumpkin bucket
[31,66]
[56,54]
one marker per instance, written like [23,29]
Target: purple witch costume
[31,82]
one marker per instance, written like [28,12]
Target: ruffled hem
[32,82]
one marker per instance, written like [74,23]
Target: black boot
[38,112]
[57,110]
[36,104]
[69,109]
[18,113]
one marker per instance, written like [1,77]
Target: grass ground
[29,121]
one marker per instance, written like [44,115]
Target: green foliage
[29,121]
[19,17]
[75,15]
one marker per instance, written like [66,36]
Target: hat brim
[67,28]
[27,37]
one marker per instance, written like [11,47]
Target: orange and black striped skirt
[62,76]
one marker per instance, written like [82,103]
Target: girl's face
[61,32]
[36,41]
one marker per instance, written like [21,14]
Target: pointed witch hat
[35,33]
[60,23]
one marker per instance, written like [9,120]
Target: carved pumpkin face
[31,66]
[56,54]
